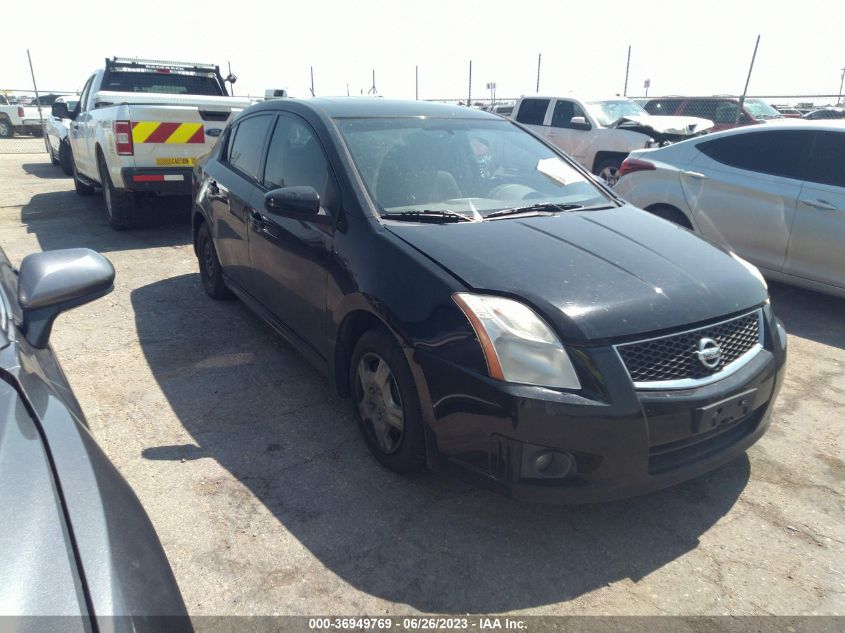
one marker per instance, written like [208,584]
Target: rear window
[662,106]
[532,111]
[163,83]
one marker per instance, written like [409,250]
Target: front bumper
[623,442]
[164,180]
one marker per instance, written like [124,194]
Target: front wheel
[65,158]
[386,402]
[53,158]
[608,170]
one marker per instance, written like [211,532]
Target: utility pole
[841,81]
[539,59]
[373,87]
[417,83]
[627,68]
[469,89]
[312,81]
[747,79]
[37,98]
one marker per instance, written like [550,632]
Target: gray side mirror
[53,282]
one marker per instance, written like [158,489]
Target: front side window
[827,159]
[564,112]
[472,167]
[532,111]
[246,143]
[295,158]
[777,153]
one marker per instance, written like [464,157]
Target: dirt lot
[267,502]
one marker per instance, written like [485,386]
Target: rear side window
[662,107]
[532,111]
[246,143]
[295,158]
[827,159]
[782,153]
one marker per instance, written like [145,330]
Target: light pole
[841,81]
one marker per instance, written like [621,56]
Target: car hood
[675,125]
[594,274]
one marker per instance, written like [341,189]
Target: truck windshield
[473,167]
[162,82]
[608,112]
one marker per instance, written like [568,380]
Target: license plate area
[724,412]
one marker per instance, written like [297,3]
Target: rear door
[532,113]
[817,246]
[291,256]
[231,192]
[80,133]
[743,189]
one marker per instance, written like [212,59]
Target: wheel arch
[604,155]
[671,213]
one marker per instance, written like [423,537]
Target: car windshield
[608,112]
[759,109]
[468,166]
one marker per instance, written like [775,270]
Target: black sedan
[489,307]
[78,551]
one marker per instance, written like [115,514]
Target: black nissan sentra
[486,304]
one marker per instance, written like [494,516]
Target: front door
[817,246]
[290,257]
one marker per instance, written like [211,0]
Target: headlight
[751,268]
[517,344]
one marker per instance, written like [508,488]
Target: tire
[608,170]
[121,206]
[65,158]
[386,404]
[6,129]
[53,158]
[211,272]
[670,213]
[82,188]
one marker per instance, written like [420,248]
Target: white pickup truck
[140,125]
[600,133]
[20,119]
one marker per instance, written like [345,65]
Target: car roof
[354,107]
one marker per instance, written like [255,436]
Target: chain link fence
[24,117]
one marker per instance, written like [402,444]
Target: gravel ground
[267,502]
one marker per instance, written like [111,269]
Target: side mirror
[579,123]
[53,282]
[60,110]
[294,201]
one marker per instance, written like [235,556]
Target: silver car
[772,193]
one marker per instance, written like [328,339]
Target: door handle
[695,174]
[820,204]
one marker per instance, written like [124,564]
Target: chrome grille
[672,360]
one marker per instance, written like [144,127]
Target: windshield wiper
[547,208]
[428,215]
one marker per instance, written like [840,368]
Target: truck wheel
[6,129]
[65,158]
[120,205]
[608,170]
[83,189]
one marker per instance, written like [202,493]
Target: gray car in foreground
[77,551]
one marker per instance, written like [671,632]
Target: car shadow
[44,170]
[437,544]
[55,218]
[810,315]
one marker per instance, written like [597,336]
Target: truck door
[80,131]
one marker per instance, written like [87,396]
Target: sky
[682,47]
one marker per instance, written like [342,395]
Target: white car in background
[600,133]
[774,194]
[55,130]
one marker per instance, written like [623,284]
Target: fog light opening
[554,464]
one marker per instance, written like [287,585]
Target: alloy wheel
[379,402]
[610,175]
